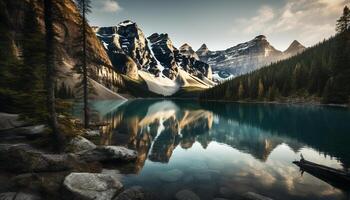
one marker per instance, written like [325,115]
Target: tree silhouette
[84,8]
[50,70]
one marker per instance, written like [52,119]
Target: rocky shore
[83,171]
[28,172]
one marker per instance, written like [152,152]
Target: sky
[225,23]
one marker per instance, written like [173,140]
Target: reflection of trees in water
[250,128]
[323,128]
[155,135]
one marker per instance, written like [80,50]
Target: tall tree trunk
[50,72]
[85,81]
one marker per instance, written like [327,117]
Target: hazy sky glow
[224,23]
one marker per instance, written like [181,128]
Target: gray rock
[48,183]
[171,175]
[18,196]
[93,133]
[108,153]
[255,196]
[24,158]
[226,192]
[27,131]
[134,193]
[92,186]
[186,195]
[202,176]
[78,144]
[10,121]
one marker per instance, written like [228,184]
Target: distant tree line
[321,72]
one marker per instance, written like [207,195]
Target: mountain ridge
[245,57]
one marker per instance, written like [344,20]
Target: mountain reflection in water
[242,147]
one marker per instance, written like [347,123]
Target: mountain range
[245,57]
[167,69]
[131,64]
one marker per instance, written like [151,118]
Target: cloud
[309,20]
[110,6]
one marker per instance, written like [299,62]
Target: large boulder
[48,183]
[107,154]
[26,131]
[24,158]
[78,144]
[92,186]
[10,121]
[18,196]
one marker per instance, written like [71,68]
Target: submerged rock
[171,176]
[92,186]
[255,196]
[18,196]
[78,144]
[135,193]
[108,153]
[24,158]
[186,195]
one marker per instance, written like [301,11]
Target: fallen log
[335,177]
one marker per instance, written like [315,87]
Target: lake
[224,150]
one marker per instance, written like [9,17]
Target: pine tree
[240,90]
[260,89]
[343,23]
[50,71]
[84,8]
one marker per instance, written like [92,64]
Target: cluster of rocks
[39,171]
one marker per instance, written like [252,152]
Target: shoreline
[306,103]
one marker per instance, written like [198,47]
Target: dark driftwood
[335,177]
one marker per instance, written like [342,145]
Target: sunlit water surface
[224,150]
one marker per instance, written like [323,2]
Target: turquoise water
[224,150]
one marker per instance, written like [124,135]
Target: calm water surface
[224,150]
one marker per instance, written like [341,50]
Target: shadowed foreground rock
[18,196]
[92,186]
[24,158]
[10,121]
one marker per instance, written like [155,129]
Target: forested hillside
[321,73]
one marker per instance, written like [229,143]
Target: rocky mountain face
[245,57]
[128,49]
[294,49]
[172,58]
[187,50]
[102,75]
